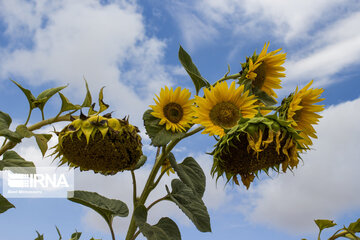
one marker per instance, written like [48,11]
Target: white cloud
[324,187]
[105,43]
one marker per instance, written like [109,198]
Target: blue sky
[131,48]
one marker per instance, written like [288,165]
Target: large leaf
[5,204]
[19,165]
[193,207]
[192,70]
[31,99]
[190,172]
[158,134]
[107,208]
[165,229]
[5,121]
[46,95]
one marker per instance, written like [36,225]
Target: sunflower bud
[104,145]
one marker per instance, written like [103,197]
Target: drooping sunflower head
[222,107]
[265,70]
[174,108]
[255,145]
[300,109]
[104,145]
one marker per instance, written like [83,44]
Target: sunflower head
[255,145]
[174,108]
[104,145]
[262,72]
[300,109]
[222,107]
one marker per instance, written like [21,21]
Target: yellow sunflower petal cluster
[222,107]
[302,112]
[174,108]
[266,71]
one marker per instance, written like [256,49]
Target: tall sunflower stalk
[252,135]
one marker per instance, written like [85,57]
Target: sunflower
[265,70]
[166,166]
[174,108]
[255,145]
[222,107]
[302,112]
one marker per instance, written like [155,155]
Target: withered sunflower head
[255,145]
[102,144]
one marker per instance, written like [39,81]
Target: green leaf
[58,231]
[192,70]
[66,105]
[355,226]
[23,131]
[46,95]
[141,162]
[31,99]
[87,101]
[264,97]
[5,121]
[39,237]
[103,106]
[75,236]
[107,208]
[42,140]
[158,134]
[5,204]
[17,163]
[190,172]
[193,207]
[324,223]
[165,229]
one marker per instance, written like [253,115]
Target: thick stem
[111,230]
[150,181]
[36,126]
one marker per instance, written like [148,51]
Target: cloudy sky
[131,48]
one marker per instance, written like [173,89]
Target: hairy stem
[36,126]
[150,181]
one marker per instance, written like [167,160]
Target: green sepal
[158,134]
[5,204]
[103,106]
[165,229]
[190,172]
[19,165]
[193,207]
[141,162]
[88,100]
[66,105]
[191,69]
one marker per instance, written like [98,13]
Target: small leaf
[5,121]
[193,207]
[355,226]
[141,162]
[165,229]
[190,172]
[158,134]
[75,236]
[5,204]
[324,223]
[23,131]
[42,140]
[31,99]
[66,105]
[264,97]
[19,165]
[192,70]
[46,95]
[58,231]
[87,101]
[39,237]
[103,106]
[107,208]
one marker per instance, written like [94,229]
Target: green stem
[234,76]
[111,230]
[157,201]
[28,117]
[150,181]
[134,187]
[159,178]
[135,235]
[36,126]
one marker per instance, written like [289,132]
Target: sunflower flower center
[173,112]
[225,114]
[260,75]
